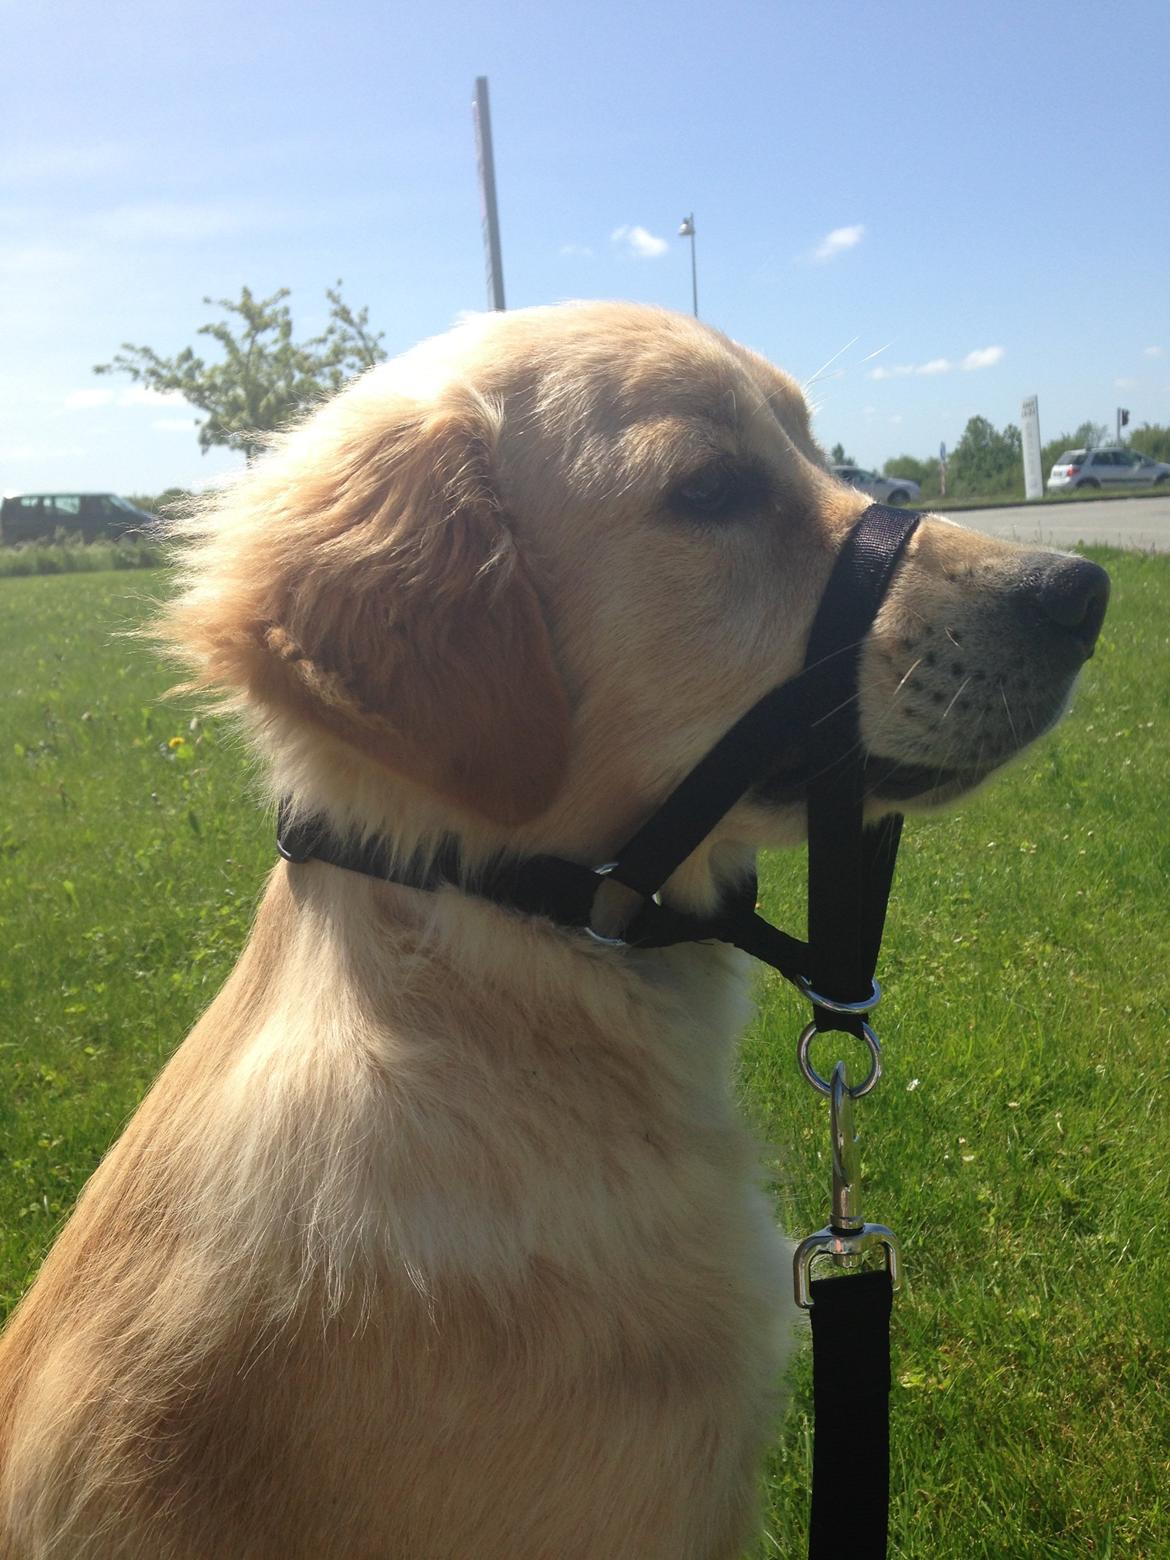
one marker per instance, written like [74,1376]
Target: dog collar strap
[850,868]
[565,892]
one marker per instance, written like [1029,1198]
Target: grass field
[1019,1143]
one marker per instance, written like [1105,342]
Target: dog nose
[1072,597]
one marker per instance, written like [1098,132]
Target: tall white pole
[1030,441]
[487,194]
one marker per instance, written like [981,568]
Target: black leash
[850,872]
[851,1397]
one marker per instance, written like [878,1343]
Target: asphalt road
[1141,522]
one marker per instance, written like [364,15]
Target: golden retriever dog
[440,1238]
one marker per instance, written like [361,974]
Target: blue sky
[975,193]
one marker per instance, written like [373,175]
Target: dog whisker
[1008,712]
[812,379]
[954,701]
[906,678]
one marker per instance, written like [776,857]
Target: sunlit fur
[440,1236]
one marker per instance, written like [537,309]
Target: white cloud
[638,243]
[983,357]
[84,400]
[130,395]
[37,260]
[838,241]
[40,452]
[1125,384]
[1153,352]
[143,395]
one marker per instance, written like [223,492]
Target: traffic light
[1124,417]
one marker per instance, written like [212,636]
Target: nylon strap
[851,1395]
[850,868]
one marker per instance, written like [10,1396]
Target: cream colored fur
[440,1236]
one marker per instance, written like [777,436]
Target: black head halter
[850,866]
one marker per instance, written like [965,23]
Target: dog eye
[716,491]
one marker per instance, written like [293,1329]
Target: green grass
[1018,1144]
[128,873]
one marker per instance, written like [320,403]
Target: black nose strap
[820,703]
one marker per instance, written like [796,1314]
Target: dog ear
[386,602]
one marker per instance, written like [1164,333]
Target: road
[1143,523]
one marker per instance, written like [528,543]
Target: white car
[887,490]
[1114,467]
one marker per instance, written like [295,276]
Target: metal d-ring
[822,1085]
[608,942]
[866,1005]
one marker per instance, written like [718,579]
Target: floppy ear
[386,602]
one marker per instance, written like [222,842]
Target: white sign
[1030,433]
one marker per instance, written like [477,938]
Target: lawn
[1019,1143]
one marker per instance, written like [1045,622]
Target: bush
[924,472]
[72,555]
[159,503]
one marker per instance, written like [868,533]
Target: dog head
[515,584]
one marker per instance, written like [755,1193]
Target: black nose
[1072,595]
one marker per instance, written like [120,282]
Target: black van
[31,517]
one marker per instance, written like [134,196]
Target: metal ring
[855,1090]
[866,1005]
[606,942]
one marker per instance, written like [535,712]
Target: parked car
[30,517]
[888,490]
[1113,467]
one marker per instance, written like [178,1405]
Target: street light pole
[487,194]
[687,230]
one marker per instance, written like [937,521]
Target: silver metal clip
[846,1238]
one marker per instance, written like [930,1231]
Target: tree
[1088,436]
[265,378]
[924,472]
[838,457]
[986,462]
[1151,439]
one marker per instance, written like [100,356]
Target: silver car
[887,490]
[1114,467]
